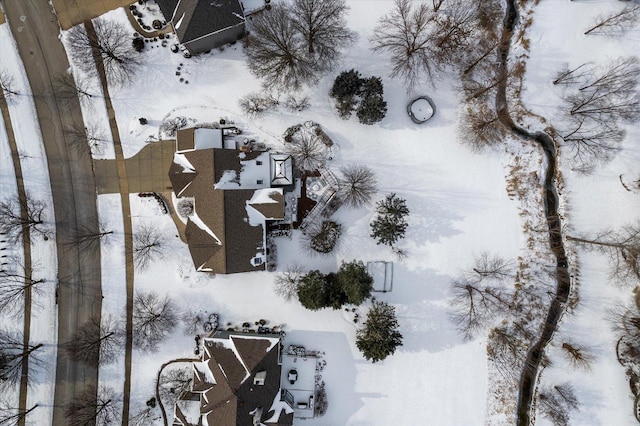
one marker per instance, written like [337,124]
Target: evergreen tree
[312,291]
[336,296]
[372,109]
[379,337]
[389,226]
[354,281]
[346,85]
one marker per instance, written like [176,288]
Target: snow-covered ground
[459,206]
[595,202]
[35,172]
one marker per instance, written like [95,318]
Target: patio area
[299,370]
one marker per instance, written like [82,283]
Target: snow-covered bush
[323,237]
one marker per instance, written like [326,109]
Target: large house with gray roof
[202,25]
[236,193]
[237,382]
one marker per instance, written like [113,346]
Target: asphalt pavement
[35,29]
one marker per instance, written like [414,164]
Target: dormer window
[259,378]
[258,163]
[259,182]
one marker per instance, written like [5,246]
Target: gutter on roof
[215,32]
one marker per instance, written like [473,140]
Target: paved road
[35,29]
[26,250]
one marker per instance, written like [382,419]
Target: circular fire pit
[421,109]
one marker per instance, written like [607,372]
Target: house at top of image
[237,382]
[237,190]
[202,25]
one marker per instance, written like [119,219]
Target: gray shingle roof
[197,18]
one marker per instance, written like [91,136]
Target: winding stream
[528,377]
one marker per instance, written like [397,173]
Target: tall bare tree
[481,296]
[100,408]
[111,41]
[173,382]
[15,281]
[598,100]
[88,139]
[148,245]
[622,247]
[8,85]
[89,238]
[75,86]
[422,41]
[154,317]
[98,342]
[13,354]
[14,416]
[616,23]
[292,45]
[308,151]
[324,28]
[358,184]
[277,52]
[12,223]
[557,403]
[286,283]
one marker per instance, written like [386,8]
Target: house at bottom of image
[237,190]
[237,382]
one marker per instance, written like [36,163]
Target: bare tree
[13,416]
[173,382]
[557,403]
[89,238]
[196,321]
[577,356]
[8,85]
[148,245]
[308,150]
[255,104]
[507,350]
[90,138]
[422,41]
[480,126]
[289,46]
[109,41]
[277,51]
[286,283]
[324,29]
[75,86]
[98,342]
[13,354]
[590,144]
[15,281]
[144,417]
[480,297]
[622,247]
[12,221]
[598,100]
[154,317]
[185,207]
[99,408]
[616,23]
[358,184]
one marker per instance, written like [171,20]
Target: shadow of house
[202,25]
[235,193]
[237,382]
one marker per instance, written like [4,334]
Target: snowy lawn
[595,202]
[459,206]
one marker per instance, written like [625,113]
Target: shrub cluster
[351,284]
[362,95]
